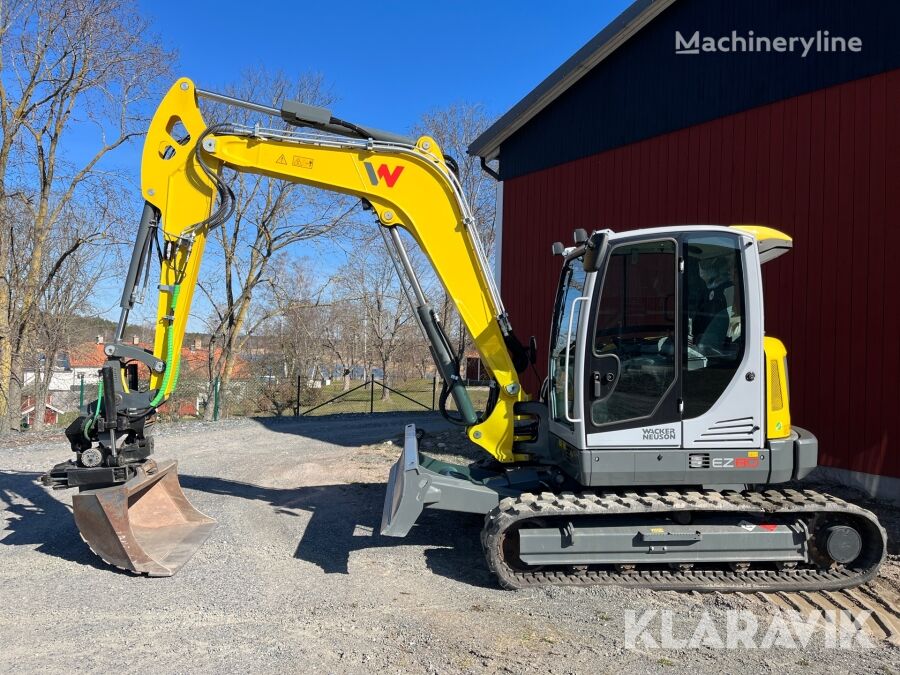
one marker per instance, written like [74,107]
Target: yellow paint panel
[762,232]
[778,413]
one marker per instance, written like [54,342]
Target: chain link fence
[284,396]
[268,396]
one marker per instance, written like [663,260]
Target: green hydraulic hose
[170,355]
[169,374]
[90,421]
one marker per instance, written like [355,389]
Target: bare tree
[342,328]
[295,330]
[64,299]
[454,127]
[86,64]
[370,281]
[270,215]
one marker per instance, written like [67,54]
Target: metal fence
[197,398]
[370,396]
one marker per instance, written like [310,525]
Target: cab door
[723,382]
[633,351]
[566,352]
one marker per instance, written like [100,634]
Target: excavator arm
[409,185]
[130,510]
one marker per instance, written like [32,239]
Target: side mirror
[595,251]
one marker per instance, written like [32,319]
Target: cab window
[562,346]
[636,324]
[712,319]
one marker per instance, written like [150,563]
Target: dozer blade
[146,525]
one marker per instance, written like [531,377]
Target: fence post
[297,407]
[433,390]
[81,392]
[372,394]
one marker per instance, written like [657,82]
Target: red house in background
[51,412]
[634,131]
[87,358]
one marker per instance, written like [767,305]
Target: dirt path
[297,578]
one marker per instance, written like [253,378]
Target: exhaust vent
[730,431]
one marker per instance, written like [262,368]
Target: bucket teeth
[146,525]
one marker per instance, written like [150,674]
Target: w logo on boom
[389,176]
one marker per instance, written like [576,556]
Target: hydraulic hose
[459,420]
[170,356]
[90,421]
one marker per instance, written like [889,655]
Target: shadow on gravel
[354,429]
[32,517]
[347,518]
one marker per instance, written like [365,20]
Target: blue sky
[386,62]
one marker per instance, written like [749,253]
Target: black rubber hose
[457,420]
[226,205]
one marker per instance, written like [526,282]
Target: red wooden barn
[701,111]
[51,412]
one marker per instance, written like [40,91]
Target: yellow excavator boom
[410,186]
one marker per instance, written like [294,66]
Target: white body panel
[658,436]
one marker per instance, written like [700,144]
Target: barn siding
[817,166]
[644,89]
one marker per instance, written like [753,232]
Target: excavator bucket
[146,525]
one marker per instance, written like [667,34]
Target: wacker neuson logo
[822,42]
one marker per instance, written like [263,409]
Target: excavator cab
[660,371]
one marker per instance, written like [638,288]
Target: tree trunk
[5,378]
[346,378]
[385,392]
[42,377]
[5,327]
[225,379]
[17,366]
[212,366]
[210,409]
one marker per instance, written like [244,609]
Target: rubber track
[514,511]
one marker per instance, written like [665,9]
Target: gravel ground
[296,576]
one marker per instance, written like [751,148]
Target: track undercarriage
[777,540]
[691,539]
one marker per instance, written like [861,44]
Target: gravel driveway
[296,578]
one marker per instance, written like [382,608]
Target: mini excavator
[649,456]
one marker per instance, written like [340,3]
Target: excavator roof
[771,243]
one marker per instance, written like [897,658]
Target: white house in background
[79,366]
